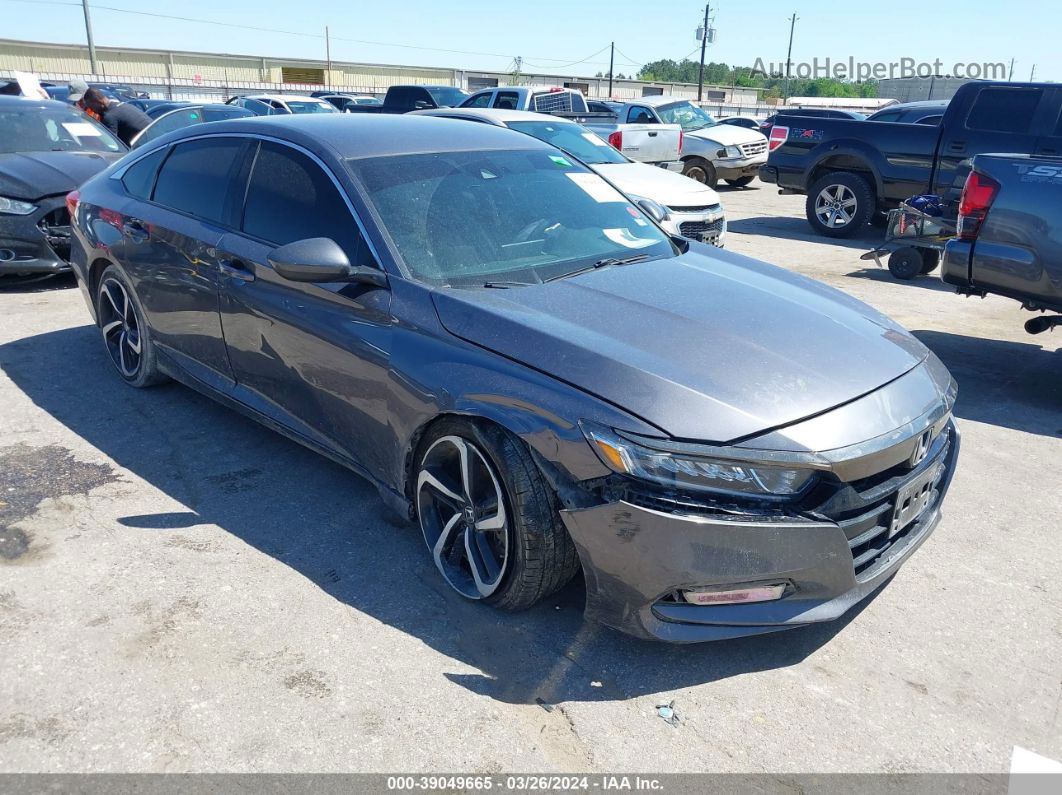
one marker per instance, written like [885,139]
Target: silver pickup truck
[709,151]
[648,142]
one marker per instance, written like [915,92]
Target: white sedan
[689,208]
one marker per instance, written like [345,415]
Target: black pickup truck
[1009,238]
[400,99]
[853,171]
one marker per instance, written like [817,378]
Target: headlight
[689,471]
[734,151]
[15,207]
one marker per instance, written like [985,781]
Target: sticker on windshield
[595,140]
[624,238]
[560,161]
[81,128]
[596,188]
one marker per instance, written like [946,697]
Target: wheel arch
[849,160]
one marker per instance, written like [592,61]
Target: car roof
[926,104]
[657,100]
[8,101]
[357,136]
[282,97]
[499,116]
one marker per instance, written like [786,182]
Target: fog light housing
[734,594]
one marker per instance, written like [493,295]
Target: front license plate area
[912,501]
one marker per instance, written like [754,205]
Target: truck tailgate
[650,143]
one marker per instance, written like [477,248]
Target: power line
[308,35]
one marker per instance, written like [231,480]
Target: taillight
[779,135]
[680,142]
[72,198]
[616,140]
[977,196]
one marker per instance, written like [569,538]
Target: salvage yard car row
[523,340]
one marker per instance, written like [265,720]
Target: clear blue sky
[551,33]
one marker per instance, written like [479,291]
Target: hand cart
[913,241]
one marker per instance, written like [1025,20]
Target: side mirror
[653,209]
[320,259]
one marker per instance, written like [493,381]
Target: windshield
[468,218]
[33,129]
[310,106]
[685,114]
[573,139]
[447,96]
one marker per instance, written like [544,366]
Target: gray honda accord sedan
[527,366]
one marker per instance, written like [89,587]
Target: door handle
[135,229]
[957,146]
[236,269]
[653,134]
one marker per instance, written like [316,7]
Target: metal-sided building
[211,76]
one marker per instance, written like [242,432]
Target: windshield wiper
[507,285]
[607,262]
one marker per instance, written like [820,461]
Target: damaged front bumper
[641,548]
[38,243]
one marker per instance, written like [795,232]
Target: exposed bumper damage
[38,242]
[874,504]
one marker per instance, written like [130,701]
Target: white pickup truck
[710,151]
[651,142]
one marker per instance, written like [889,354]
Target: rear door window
[639,115]
[290,197]
[1004,109]
[507,100]
[195,177]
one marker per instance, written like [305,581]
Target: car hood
[32,175]
[658,184]
[708,346]
[728,135]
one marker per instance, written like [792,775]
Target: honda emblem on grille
[921,449]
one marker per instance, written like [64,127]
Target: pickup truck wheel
[930,259]
[701,170]
[839,204]
[905,263]
[740,182]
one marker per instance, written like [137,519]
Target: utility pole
[1032,73]
[1010,75]
[328,60]
[704,41]
[789,58]
[611,61]
[88,35]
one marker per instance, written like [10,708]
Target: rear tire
[701,170]
[477,485]
[839,204]
[905,263]
[125,331]
[740,182]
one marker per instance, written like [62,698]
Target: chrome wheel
[463,515]
[836,205]
[120,327]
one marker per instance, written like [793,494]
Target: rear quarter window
[140,176]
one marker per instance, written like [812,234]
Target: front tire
[488,517]
[701,170]
[839,204]
[125,332]
[740,182]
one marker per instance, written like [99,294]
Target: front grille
[754,148]
[55,226]
[701,230]
[703,209]
[864,508]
